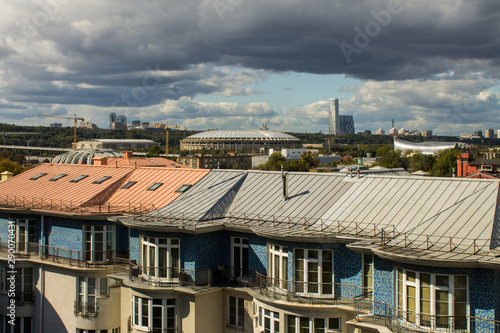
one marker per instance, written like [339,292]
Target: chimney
[100,160]
[128,154]
[6,175]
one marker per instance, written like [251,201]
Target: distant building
[117,122]
[489,134]
[116,144]
[339,124]
[88,124]
[380,132]
[401,132]
[393,132]
[56,125]
[136,123]
[478,134]
[427,133]
[216,161]
[477,168]
[112,119]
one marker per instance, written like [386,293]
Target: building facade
[216,161]
[246,251]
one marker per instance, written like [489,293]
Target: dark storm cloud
[129,53]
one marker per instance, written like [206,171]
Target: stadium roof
[428,147]
[242,135]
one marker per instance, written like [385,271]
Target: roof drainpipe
[284,178]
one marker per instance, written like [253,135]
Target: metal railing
[310,292]
[24,298]
[62,255]
[399,321]
[85,309]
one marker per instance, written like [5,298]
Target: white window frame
[23,234]
[274,320]
[83,291]
[419,316]
[239,311]
[312,324]
[278,265]
[92,253]
[368,289]
[166,304]
[304,287]
[152,268]
[238,268]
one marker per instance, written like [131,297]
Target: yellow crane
[166,137]
[74,129]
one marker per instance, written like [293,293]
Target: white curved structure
[428,148]
[239,139]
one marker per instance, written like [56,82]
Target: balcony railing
[313,292]
[165,276]
[61,255]
[371,311]
[85,309]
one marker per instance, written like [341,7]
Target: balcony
[61,255]
[163,276]
[378,313]
[85,309]
[24,298]
[315,293]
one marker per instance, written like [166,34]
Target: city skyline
[233,65]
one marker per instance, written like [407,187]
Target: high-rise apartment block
[339,124]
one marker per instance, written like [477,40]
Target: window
[156,314]
[100,180]
[183,188]
[88,290]
[432,300]
[278,265]
[25,234]
[53,179]
[128,185]
[269,320]
[314,272]
[77,179]
[21,324]
[160,257]
[239,256]
[297,324]
[98,242]
[24,285]
[236,311]
[37,176]
[368,276]
[154,186]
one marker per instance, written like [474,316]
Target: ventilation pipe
[284,178]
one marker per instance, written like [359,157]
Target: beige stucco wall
[209,308]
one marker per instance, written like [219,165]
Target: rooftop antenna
[392,123]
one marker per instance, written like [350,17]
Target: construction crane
[166,136]
[74,129]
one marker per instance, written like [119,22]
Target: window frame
[278,256]
[239,311]
[141,303]
[151,246]
[317,288]
[239,261]
[368,279]
[90,242]
[430,319]
[25,233]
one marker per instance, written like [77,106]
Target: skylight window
[175,165]
[53,179]
[128,185]
[154,186]
[100,180]
[37,176]
[77,179]
[183,188]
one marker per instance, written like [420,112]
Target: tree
[154,151]
[391,159]
[14,167]
[274,163]
[422,162]
[446,161]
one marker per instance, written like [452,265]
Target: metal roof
[242,135]
[85,156]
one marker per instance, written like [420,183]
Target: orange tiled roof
[61,194]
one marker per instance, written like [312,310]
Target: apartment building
[103,248]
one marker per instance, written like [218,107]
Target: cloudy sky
[234,64]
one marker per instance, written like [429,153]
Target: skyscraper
[339,124]
[112,119]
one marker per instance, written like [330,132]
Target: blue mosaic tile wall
[64,233]
[134,245]
[348,271]
[383,281]
[4,223]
